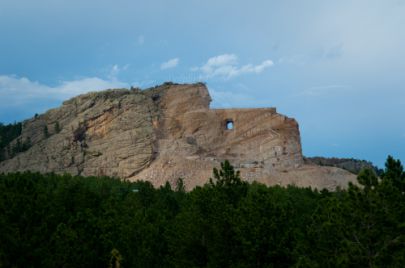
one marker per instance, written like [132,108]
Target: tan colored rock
[164,133]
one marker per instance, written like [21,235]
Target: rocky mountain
[352,165]
[163,133]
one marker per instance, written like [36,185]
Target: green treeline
[64,221]
[7,134]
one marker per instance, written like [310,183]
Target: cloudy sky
[338,67]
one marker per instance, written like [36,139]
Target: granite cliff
[167,132]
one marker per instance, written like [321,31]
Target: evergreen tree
[49,220]
[45,131]
[394,173]
[57,128]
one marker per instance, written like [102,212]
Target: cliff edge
[167,132]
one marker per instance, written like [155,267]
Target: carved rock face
[164,133]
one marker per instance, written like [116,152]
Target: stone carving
[166,132]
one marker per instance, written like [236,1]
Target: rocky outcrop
[352,165]
[167,132]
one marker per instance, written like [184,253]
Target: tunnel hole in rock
[229,124]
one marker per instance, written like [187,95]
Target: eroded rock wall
[161,134]
[106,133]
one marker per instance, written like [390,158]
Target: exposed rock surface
[164,133]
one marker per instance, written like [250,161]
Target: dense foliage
[64,221]
[7,134]
[350,164]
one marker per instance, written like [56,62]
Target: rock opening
[229,124]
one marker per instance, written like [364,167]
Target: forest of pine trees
[7,134]
[64,221]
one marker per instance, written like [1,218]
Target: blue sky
[338,67]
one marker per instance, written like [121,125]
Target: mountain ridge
[163,133]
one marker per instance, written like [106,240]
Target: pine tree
[46,132]
[57,127]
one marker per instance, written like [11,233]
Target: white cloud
[16,91]
[226,66]
[219,62]
[75,87]
[116,70]
[232,99]
[170,64]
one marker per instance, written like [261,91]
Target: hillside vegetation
[352,165]
[63,221]
[7,134]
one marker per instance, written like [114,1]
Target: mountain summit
[165,133]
